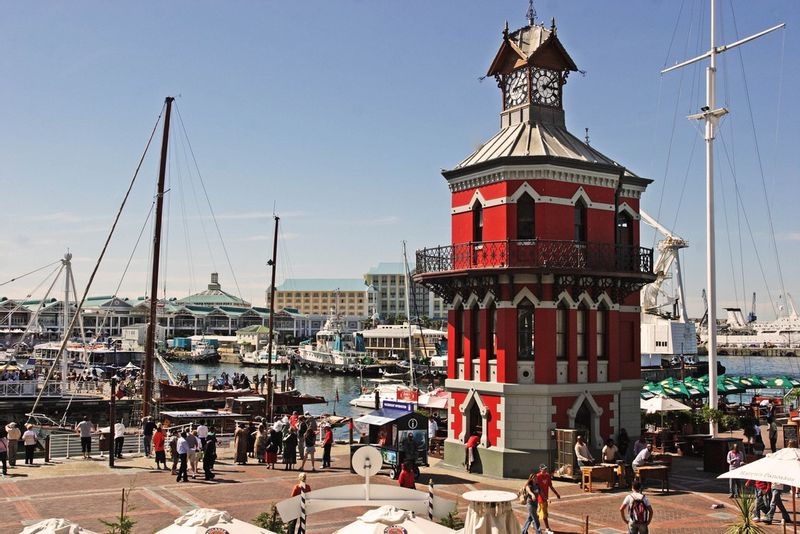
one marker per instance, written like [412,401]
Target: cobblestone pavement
[88,491]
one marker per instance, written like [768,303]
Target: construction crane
[668,248]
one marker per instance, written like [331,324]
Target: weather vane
[531,14]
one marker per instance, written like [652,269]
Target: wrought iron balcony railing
[537,254]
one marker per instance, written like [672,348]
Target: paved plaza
[86,491]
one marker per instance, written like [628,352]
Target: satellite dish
[367,457]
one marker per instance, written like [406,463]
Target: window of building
[491,330]
[602,332]
[562,326]
[477,222]
[475,332]
[580,334]
[624,229]
[458,334]
[526,217]
[525,330]
[580,220]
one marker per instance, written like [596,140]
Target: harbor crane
[669,256]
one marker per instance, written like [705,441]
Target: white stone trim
[456,301]
[539,172]
[487,300]
[624,207]
[629,309]
[603,297]
[512,199]
[596,410]
[504,304]
[523,293]
[474,396]
[553,390]
[565,296]
[473,298]
[586,299]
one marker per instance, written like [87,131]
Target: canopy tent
[203,520]
[386,518]
[661,405]
[55,526]
[131,367]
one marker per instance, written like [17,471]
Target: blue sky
[342,114]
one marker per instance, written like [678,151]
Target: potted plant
[744,524]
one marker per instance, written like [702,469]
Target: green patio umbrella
[749,382]
[783,382]
[725,386]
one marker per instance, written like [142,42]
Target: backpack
[523,495]
[638,511]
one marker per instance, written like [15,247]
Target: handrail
[574,256]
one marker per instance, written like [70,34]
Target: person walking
[290,443]
[148,428]
[772,433]
[309,440]
[776,501]
[433,428]
[119,438]
[194,446]
[273,445]
[531,496]
[173,451]
[261,444]
[327,443]
[640,513]
[183,452]
[159,438]
[84,429]
[763,495]
[545,483]
[735,460]
[13,435]
[4,451]
[300,486]
[406,478]
[240,444]
[202,434]
[209,454]
[469,451]
[29,441]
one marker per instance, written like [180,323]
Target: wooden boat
[173,394]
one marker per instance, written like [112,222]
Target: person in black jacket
[210,454]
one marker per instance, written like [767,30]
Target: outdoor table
[599,473]
[656,472]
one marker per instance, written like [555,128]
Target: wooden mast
[272,263]
[147,395]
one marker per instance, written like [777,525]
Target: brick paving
[88,491]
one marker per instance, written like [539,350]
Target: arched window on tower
[624,229]
[477,222]
[526,217]
[580,221]
[458,333]
[475,332]
[580,334]
[562,327]
[602,332]
[491,332]
[525,330]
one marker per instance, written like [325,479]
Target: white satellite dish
[367,461]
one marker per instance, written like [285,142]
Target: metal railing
[28,388]
[537,254]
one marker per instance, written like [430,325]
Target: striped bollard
[302,528]
[430,499]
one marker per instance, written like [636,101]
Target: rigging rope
[68,329]
[28,295]
[208,201]
[35,315]
[31,272]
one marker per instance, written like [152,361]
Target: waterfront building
[348,297]
[389,282]
[542,275]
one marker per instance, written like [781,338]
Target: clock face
[546,87]
[517,88]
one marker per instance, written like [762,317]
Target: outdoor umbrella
[782,467]
[783,382]
[748,382]
[724,385]
[202,520]
[55,526]
[391,519]
[683,390]
[131,366]
[661,405]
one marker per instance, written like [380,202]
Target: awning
[381,417]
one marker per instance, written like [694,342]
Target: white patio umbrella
[489,512]
[202,520]
[131,366]
[391,519]
[782,467]
[55,525]
[662,404]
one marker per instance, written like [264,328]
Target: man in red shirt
[469,451]
[763,494]
[406,478]
[545,484]
[158,446]
[327,443]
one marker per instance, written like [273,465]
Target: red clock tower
[542,275]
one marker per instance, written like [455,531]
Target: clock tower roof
[531,45]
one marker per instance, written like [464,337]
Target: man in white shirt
[14,435]
[582,453]
[644,456]
[119,438]
[640,513]
[433,428]
[183,453]
[29,440]
[202,433]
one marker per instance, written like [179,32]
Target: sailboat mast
[64,357]
[149,349]
[272,263]
[408,319]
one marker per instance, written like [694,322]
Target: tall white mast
[408,318]
[711,115]
[67,277]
